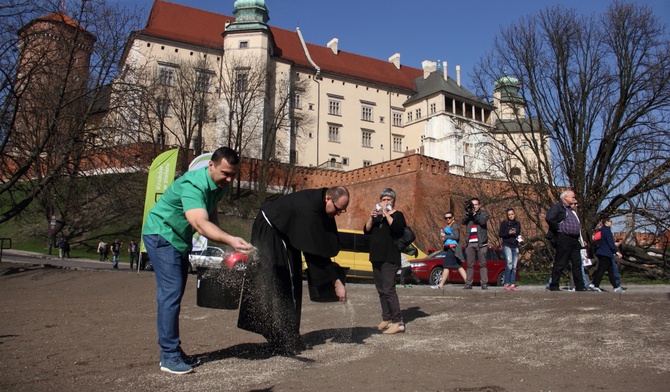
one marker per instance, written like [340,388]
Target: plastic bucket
[219,288]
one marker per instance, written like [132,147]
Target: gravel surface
[67,328]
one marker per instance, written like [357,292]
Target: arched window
[515,172]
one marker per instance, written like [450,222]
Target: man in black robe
[301,222]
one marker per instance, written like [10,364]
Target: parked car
[214,257]
[209,257]
[430,268]
[355,254]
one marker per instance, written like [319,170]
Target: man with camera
[477,242]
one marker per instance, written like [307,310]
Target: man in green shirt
[187,206]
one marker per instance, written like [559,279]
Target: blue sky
[459,32]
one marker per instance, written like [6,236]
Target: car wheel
[435,276]
[501,279]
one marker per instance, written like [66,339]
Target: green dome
[250,3]
[251,11]
[506,81]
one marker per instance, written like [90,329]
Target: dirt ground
[67,329]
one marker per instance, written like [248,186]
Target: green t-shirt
[195,189]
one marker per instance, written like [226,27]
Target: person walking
[605,253]
[102,250]
[477,239]
[133,252]
[297,224]
[115,248]
[385,224]
[188,205]
[565,234]
[453,257]
[66,248]
[510,233]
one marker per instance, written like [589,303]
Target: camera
[378,207]
[469,207]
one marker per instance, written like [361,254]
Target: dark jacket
[555,215]
[382,235]
[480,218]
[509,240]
[607,246]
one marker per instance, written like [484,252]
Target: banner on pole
[161,175]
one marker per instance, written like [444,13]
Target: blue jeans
[171,270]
[115,260]
[511,256]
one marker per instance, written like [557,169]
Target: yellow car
[354,254]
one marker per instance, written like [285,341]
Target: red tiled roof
[60,17]
[197,27]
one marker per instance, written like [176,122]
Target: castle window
[397,119]
[202,81]
[366,113]
[397,143]
[367,139]
[334,107]
[333,133]
[166,74]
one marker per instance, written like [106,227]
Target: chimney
[332,44]
[428,67]
[444,69]
[458,75]
[395,60]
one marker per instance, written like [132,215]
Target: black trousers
[567,253]
[605,263]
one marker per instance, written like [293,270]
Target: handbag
[405,239]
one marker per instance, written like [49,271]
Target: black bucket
[325,292]
[219,288]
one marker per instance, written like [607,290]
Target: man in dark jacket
[477,242]
[299,223]
[564,231]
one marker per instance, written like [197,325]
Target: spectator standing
[115,248]
[59,245]
[300,223]
[605,253]
[510,233]
[384,225]
[134,252]
[565,234]
[65,247]
[189,204]
[453,257]
[476,238]
[102,250]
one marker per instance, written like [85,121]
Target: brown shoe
[395,328]
[383,325]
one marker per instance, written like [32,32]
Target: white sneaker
[436,287]
[598,289]
[619,290]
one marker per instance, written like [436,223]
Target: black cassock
[272,294]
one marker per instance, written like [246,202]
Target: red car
[429,269]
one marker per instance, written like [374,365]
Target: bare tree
[55,91]
[262,121]
[598,89]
